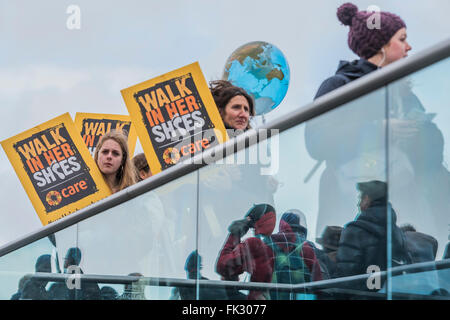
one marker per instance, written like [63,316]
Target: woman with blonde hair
[113,160]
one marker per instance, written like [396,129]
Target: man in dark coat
[193,268]
[18,294]
[88,290]
[34,289]
[363,241]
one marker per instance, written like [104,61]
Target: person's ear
[365,201]
[142,174]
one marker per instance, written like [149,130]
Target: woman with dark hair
[235,105]
[113,160]
[141,166]
[241,182]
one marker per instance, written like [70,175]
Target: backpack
[327,266]
[289,268]
[399,253]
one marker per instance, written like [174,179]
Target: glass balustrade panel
[309,175]
[419,180]
[150,235]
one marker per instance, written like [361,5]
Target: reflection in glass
[350,141]
[17,269]
[330,208]
[419,130]
[148,235]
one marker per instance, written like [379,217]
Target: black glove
[257,211]
[239,227]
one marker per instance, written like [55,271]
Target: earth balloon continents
[262,70]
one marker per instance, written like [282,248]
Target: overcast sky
[47,69]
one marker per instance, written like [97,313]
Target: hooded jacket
[251,255]
[339,136]
[365,117]
[346,72]
[363,242]
[34,288]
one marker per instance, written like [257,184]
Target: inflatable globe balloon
[262,70]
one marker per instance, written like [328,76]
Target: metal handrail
[323,284]
[339,285]
[330,101]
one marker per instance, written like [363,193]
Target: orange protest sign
[175,116]
[55,168]
[92,126]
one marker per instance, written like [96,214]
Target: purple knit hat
[363,41]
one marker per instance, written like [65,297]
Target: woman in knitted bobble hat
[380,45]
[346,139]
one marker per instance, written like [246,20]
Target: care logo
[171,155]
[53,198]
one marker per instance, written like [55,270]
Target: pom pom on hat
[346,12]
[365,41]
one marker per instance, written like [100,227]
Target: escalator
[138,243]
